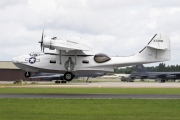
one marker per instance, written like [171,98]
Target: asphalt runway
[90,96]
[99,85]
[96,85]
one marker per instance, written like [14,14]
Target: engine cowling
[47,43]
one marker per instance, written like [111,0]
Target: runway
[95,85]
[99,85]
[90,96]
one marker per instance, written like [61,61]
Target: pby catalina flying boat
[71,58]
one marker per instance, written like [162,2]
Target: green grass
[89,109]
[92,90]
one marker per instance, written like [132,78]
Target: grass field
[89,109]
[92,90]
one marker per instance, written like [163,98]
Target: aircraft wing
[71,43]
[168,73]
[70,46]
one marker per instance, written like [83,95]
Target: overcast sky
[113,27]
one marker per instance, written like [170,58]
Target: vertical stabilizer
[158,49]
[141,68]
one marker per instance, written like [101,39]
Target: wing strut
[60,57]
[75,57]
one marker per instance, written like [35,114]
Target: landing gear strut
[68,76]
[88,81]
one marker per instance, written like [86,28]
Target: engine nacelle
[48,42]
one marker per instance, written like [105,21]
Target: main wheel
[68,76]
[57,81]
[163,81]
[63,81]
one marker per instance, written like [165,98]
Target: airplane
[142,73]
[73,57]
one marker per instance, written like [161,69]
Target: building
[9,72]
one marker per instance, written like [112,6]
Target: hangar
[9,72]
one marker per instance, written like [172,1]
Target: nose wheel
[27,74]
[68,76]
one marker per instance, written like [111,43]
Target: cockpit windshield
[101,58]
[34,54]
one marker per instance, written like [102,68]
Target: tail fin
[157,50]
[141,68]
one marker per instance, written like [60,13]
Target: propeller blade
[41,42]
[41,47]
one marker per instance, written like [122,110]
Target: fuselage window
[85,61]
[101,58]
[52,61]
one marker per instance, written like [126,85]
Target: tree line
[160,68]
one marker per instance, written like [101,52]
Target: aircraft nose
[15,60]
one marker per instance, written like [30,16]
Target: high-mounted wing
[71,43]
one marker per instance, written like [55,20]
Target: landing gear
[63,81]
[27,74]
[57,81]
[88,81]
[68,76]
[60,81]
[162,80]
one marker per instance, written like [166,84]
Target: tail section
[141,69]
[157,50]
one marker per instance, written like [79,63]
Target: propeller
[41,42]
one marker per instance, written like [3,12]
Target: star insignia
[32,60]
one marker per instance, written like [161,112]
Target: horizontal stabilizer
[160,42]
[157,47]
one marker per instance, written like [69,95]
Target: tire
[68,76]
[27,74]
[162,81]
[63,81]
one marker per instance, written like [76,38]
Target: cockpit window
[54,38]
[101,58]
[33,54]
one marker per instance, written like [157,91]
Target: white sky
[113,27]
